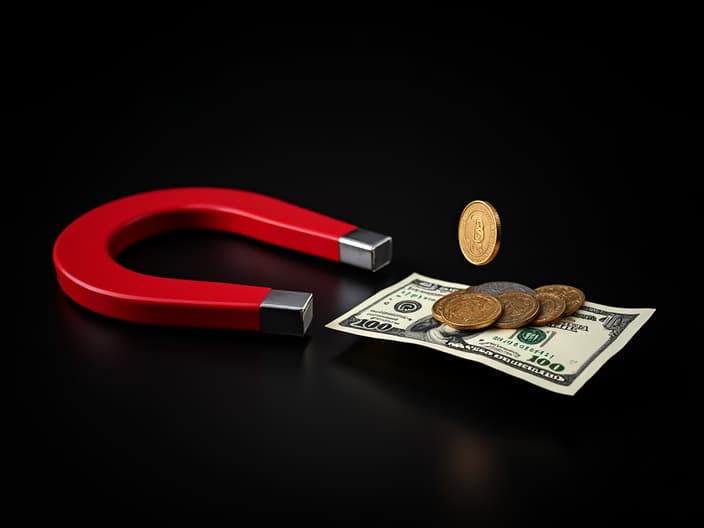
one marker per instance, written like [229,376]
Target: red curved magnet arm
[84,254]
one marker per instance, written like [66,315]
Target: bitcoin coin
[438,305]
[552,306]
[519,309]
[471,311]
[574,297]
[479,232]
[498,287]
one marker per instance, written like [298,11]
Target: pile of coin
[502,304]
[505,304]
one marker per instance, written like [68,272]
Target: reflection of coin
[479,232]
[439,305]
[574,297]
[519,309]
[499,287]
[552,306]
[471,311]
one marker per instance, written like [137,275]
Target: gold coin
[574,297]
[479,232]
[552,306]
[519,309]
[471,311]
[439,305]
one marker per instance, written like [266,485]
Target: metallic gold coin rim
[497,222]
[526,317]
[544,321]
[561,289]
[479,324]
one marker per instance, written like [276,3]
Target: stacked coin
[505,304]
[502,304]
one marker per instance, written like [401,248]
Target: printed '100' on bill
[559,357]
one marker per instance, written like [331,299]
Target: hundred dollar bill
[559,357]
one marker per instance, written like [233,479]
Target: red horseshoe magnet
[84,258]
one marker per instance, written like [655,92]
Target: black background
[575,125]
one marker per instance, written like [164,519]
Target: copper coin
[519,309]
[439,305]
[552,306]
[574,297]
[471,311]
[479,232]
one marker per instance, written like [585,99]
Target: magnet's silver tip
[286,312]
[366,249]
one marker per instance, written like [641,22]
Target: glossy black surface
[394,127]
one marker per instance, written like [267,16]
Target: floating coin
[471,311]
[574,297]
[552,306]
[519,309]
[479,232]
[499,287]
[439,305]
